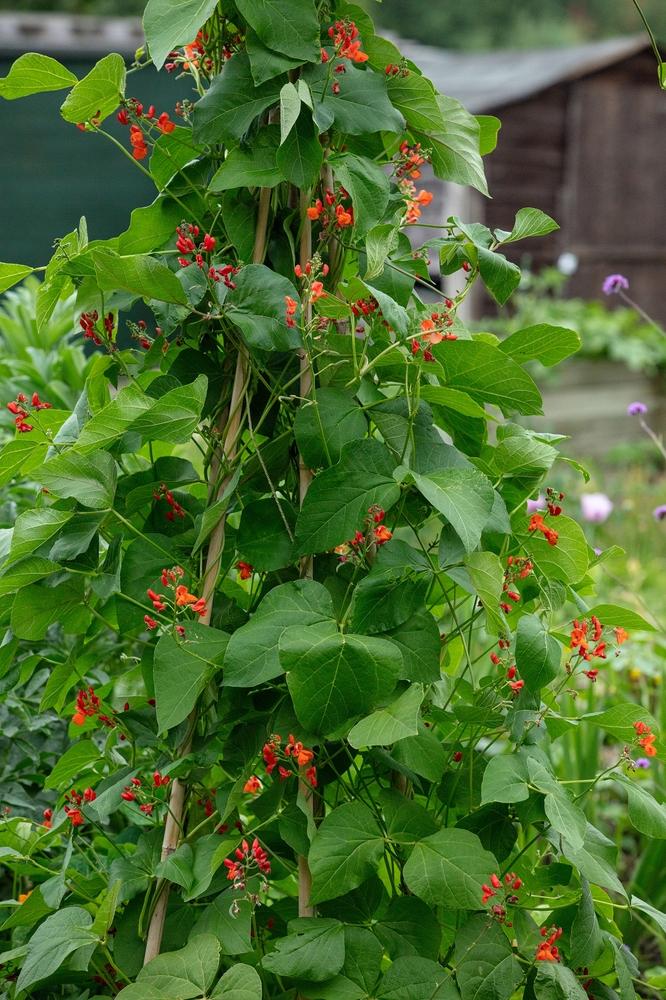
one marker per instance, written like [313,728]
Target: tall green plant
[313,757]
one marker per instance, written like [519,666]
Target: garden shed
[583,138]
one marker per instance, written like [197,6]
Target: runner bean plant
[301,610]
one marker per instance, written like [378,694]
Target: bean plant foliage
[278,576]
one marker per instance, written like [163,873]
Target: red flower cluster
[365,307]
[133,113]
[73,807]
[347,43]
[175,510]
[511,885]
[434,329]
[411,158]
[587,642]
[646,738]
[414,201]
[515,683]
[342,214]
[253,785]
[138,332]
[547,950]
[554,501]
[87,705]
[356,548]
[277,755]
[245,570]
[91,331]
[291,307]
[248,860]
[129,791]
[518,567]
[182,598]
[17,407]
[187,234]
[190,58]
[537,523]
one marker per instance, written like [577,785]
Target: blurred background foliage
[484,24]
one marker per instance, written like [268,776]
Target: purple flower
[534,505]
[659,513]
[596,507]
[643,762]
[614,283]
[597,551]
[636,409]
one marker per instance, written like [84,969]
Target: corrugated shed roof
[68,34]
[483,81]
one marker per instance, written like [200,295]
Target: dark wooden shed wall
[591,153]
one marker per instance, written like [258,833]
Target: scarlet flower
[311,775]
[209,242]
[516,686]
[183,597]
[75,816]
[494,659]
[252,785]
[147,808]
[314,211]
[382,534]
[511,673]
[123,117]
[621,635]
[165,124]
[343,217]
[316,291]
[160,779]
[90,795]
[245,570]
[457,756]
[149,622]
[128,795]
[547,950]
[486,893]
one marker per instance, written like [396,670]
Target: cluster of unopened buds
[89,323]
[587,642]
[415,200]
[138,332]
[395,69]
[645,738]
[246,862]
[518,567]
[503,659]
[411,160]
[509,888]
[332,210]
[135,792]
[344,35]
[175,510]
[289,758]
[182,598]
[548,951]
[132,114]
[375,533]
[73,805]
[20,409]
